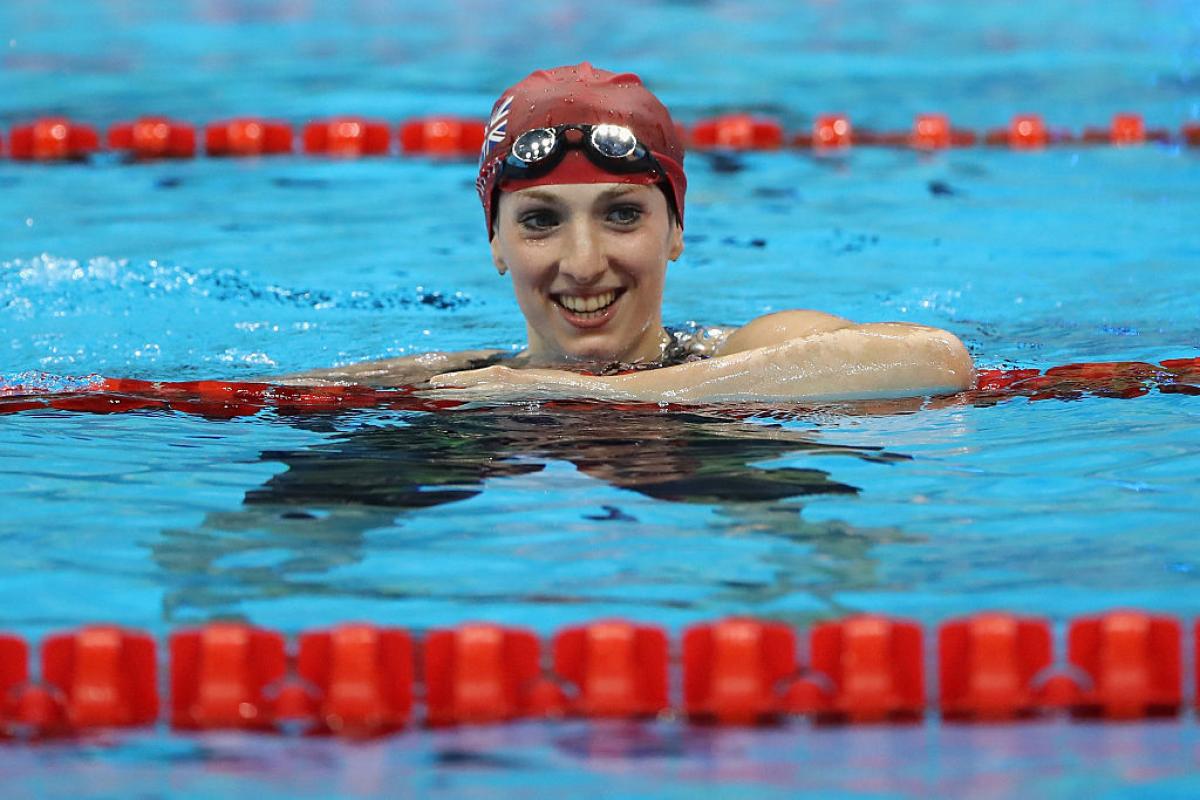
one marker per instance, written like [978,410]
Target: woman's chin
[594,349]
[603,349]
[593,355]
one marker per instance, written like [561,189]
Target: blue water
[212,268]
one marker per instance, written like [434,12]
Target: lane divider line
[360,680]
[459,138]
[231,399]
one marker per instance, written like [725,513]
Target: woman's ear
[498,259]
[676,244]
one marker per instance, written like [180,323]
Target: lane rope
[361,680]
[230,399]
[441,136]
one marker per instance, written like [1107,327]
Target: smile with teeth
[591,306]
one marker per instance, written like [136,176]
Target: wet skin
[588,263]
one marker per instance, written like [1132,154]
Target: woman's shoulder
[693,341]
[779,326]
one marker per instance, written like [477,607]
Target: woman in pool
[582,184]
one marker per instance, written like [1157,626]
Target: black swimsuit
[691,342]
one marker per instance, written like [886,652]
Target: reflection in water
[440,458]
[312,517]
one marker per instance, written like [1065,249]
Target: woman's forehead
[580,192]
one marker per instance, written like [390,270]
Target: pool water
[541,518]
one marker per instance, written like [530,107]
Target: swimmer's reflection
[441,458]
[311,518]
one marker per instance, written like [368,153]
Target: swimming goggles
[613,148]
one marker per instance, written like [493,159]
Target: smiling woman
[588,264]
[582,183]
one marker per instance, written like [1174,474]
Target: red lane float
[994,380]
[227,400]
[617,669]
[102,403]
[930,132]
[107,676]
[482,673]
[987,665]
[363,677]
[52,139]
[153,137]
[14,674]
[347,137]
[1185,369]
[442,137]
[737,132]
[220,675]
[1125,130]
[830,133]
[875,666]
[360,680]
[733,669]
[248,136]
[1119,379]
[1134,664]
[1190,134]
[1024,132]
[933,132]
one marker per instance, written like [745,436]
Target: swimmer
[582,183]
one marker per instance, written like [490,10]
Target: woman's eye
[538,220]
[625,215]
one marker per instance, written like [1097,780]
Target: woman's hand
[505,384]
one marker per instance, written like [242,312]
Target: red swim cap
[580,95]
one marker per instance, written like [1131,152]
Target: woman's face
[588,263]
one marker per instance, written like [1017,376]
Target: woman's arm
[848,362]
[404,371]
[855,361]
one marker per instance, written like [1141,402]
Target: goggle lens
[613,141]
[533,146]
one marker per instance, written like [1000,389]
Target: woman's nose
[583,258]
